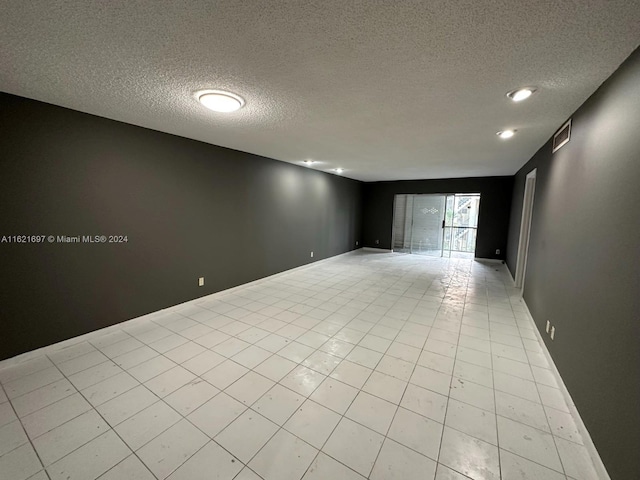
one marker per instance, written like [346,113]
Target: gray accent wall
[189,209]
[493,218]
[583,271]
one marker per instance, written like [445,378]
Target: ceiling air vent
[562,136]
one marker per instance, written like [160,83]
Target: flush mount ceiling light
[338,170]
[220,101]
[521,93]
[504,134]
[309,162]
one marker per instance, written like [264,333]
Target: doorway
[525,228]
[436,225]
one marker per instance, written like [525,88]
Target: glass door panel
[447,231]
[461,225]
[426,231]
[402,223]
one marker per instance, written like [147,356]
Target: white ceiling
[385,89]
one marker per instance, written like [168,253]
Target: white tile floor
[369,365]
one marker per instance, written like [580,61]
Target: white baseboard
[23,357]
[582,429]
[490,260]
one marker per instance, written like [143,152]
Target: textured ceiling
[386,90]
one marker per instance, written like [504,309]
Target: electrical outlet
[548,325]
[553,332]
[311,254]
[201,282]
[357,243]
[377,242]
[497,251]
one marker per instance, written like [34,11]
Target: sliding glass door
[436,225]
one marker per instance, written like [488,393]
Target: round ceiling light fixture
[309,162]
[338,170]
[220,101]
[521,94]
[504,134]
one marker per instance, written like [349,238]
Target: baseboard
[26,356]
[582,429]
[490,260]
[377,250]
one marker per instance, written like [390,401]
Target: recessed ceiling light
[521,94]
[338,170]
[506,134]
[220,101]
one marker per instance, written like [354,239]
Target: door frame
[525,228]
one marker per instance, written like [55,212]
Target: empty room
[338,240]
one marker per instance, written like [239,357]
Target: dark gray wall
[189,209]
[493,218]
[583,272]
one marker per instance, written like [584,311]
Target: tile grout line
[249,407]
[44,386]
[26,435]
[495,401]
[245,465]
[159,354]
[140,384]
[446,410]
[516,421]
[351,403]
[31,391]
[334,428]
[397,407]
[25,376]
[110,429]
[159,400]
[553,437]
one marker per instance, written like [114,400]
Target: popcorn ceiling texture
[387,90]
